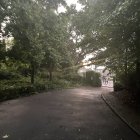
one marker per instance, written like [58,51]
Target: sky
[78,6]
[70,2]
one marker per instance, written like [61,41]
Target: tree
[32,38]
[110,31]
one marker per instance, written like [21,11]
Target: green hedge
[16,91]
[5,75]
[93,79]
[11,89]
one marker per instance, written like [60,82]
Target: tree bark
[32,73]
[126,67]
[138,62]
[50,75]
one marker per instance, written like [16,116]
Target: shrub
[40,87]
[12,92]
[10,89]
[118,86]
[73,77]
[93,79]
[57,84]
[133,82]
[130,82]
[5,75]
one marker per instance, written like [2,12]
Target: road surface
[72,114]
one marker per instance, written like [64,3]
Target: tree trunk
[126,68]
[138,62]
[126,62]
[32,73]
[50,75]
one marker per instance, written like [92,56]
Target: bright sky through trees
[70,2]
[78,6]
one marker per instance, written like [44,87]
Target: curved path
[72,114]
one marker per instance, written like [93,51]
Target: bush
[93,79]
[10,89]
[57,84]
[5,75]
[73,77]
[40,87]
[118,86]
[131,82]
[16,91]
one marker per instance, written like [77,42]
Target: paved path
[72,114]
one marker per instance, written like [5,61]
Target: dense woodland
[41,46]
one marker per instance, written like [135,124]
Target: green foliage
[40,34]
[118,86]
[132,82]
[111,31]
[4,75]
[58,84]
[40,40]
[18,87]
[2,51]
[10,92]
[73,77]
[46,42]
[93,79]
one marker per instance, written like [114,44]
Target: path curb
[118,114]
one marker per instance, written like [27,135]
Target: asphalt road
[72,114]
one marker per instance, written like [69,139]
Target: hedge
[15,92]
[93,79]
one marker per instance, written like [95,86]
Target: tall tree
[33,24]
